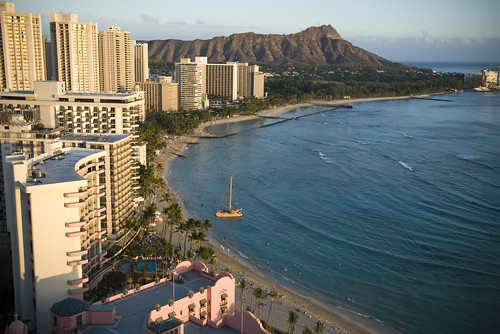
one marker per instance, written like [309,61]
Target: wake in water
[324,157]
[406,166]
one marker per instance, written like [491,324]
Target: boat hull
[228,214]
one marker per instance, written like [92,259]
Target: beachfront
[310,310]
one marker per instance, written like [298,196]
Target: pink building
[72,313]
[206,300]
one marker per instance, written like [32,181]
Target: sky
[398,30]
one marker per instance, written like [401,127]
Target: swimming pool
[139,266]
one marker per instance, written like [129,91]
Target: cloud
[150,19]
[200,21]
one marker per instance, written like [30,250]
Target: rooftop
[60,168]
[133,311]
[98,138]
[69,306]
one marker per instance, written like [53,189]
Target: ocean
[390,209]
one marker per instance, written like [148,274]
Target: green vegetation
[335,82]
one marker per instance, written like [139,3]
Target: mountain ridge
[318,46]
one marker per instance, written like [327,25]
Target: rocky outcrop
[314,46]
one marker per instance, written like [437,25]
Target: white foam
[406,166]
[325,158]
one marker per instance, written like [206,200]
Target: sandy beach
[310,310]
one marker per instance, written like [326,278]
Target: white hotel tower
[54,215]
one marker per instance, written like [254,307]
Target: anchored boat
[231,212]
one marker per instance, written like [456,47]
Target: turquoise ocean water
[390,209]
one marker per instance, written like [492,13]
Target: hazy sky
[424,30]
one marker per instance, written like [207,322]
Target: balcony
[78,291]
[82,194]
[76,234]
[77,262]
[78,281]
[77,253]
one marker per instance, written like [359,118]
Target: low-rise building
[160,94]
[210,301]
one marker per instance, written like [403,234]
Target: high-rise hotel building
[191,77]
[21,49]
[74,53]
[55,211]
[141,61]
[222,81]
[116,60]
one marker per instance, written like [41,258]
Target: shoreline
[337,319]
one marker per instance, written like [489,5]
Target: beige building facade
[191,77]
[222,81]
[161,94]
[74,52]
[55,107]
[116,61]
[54,215]
[141,61]
[21,49]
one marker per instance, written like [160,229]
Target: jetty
[279,119]
[429,98]
[284,119]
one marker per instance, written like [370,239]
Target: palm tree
[207,225]
[258,293]
[292,320]
[174,214]
[319,327]
[242,284]
[131,271]
[166,198]
[148,215]
[206,253]
[273,294]
[307,330]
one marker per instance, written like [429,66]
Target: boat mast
[230,192]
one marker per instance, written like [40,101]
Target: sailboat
[231,212]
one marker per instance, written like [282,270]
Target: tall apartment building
[141,61]
[250,81]
[161,94]
[54,218]
[21,49]
[191,77]
[74,53]
[116,61]
[222,81]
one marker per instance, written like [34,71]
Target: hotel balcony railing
[77,281]
[83,202]
[78,291]
[94,164]
[93,212]
[76,234]
[82,194]
[96,241]
[77,262]
[77,253]
[93,236]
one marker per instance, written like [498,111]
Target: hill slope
[314,46]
